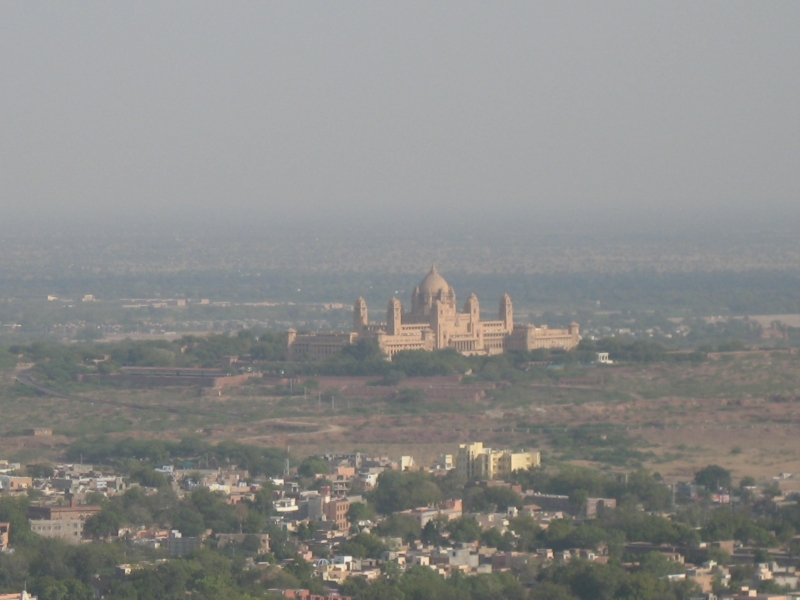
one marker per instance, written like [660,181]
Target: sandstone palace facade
[435,323]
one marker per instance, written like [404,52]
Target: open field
[741,411]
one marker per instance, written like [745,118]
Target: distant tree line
[709,292]
[257,460]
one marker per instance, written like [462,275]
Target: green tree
[713,477]
[7,360]
[491,499]
[149,477]
[50,588]
[398,491]
[359,511]
[313,465]
[363,545]
[464,529]
[39,470]
[747,481]
[14,511]
[527,531]
[432,532]
[547,590]
[262,501]
[492,538]
[103,524]
[188,521]
[399,525]
[659,565]
[301,569]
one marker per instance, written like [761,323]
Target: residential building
[72,511]
[596,505]
[476,461]
[62,522]
[336,511]
[68,530]
[445,462]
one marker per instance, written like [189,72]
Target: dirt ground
[741,412]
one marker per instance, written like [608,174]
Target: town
[345,525]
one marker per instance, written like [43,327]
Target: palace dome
[433,283]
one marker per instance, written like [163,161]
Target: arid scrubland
[739,411]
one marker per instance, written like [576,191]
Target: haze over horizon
[248,117]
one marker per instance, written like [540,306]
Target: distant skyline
[258,116]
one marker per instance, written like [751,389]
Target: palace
[435,323]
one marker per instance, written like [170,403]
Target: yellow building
[474,461]
[435,323]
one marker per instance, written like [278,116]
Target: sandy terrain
[741,411]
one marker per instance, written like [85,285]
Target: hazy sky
[389,112]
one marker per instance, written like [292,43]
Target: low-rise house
[497,521]
[23,595]
[334,573]
[348,472]
[152,538]
[369,479]
[782,575]
[353,459]
[446,462]
[421,560]
[241,493]
[12,483]
[542,518]
[448,510]
[7,467]
[461,556]
[502,561]
[330,535]
[285,506]
[596,505]
[110,485]
[343,559]
[745,593]
[705,575]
